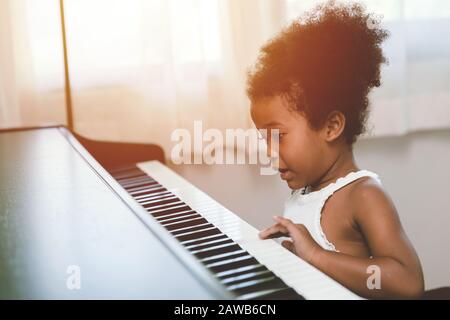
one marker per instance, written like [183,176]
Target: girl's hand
[302,244]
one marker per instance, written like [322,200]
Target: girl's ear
[334,126]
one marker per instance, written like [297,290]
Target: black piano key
[206,239]
[161,202]
[141,185]
[155,198]
[183,224]
[166,207]
[209,244]
[221,250]
[169,211]
[225,258]
[125,182]
[258,285]
[234,265]
[283,294]
[173,216]
[246,275]
[192,229]
[250,277]
[188,218]
[240,271]
[148,189]
[178,217]
[229,273]
[130,174]
[137,182]
[130,181]
[150,208]
[147,192]
[198,234]
[127,171]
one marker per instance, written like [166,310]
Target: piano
[135,230]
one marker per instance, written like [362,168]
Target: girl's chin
[294,184]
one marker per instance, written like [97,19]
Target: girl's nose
[281,163]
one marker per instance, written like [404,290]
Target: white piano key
[209,243]
[249,283]
[187,228]
[245,276]
[257,294]
[202,238]
[227,273]
[184,217]
[219,246]
[223,262]
[165,220]
[222,255]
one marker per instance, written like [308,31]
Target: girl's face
[302,150]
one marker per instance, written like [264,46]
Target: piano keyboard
[248,267]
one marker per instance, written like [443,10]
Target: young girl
[311,82]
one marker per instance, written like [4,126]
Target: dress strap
[341,182]
[349,178]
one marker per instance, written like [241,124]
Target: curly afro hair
[327,60]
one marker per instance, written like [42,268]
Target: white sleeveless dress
[305,207]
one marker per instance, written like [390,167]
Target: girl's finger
[274,231]
[288,245]
[290,227]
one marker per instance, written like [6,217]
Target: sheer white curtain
[142,68]
[31,63]
[415,92]
[139,68]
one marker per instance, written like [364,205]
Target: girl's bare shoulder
[369,197]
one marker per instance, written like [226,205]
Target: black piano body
[67,229]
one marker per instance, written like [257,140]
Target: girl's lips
[286,175]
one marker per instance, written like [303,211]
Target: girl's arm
[394,257]
[397,281]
